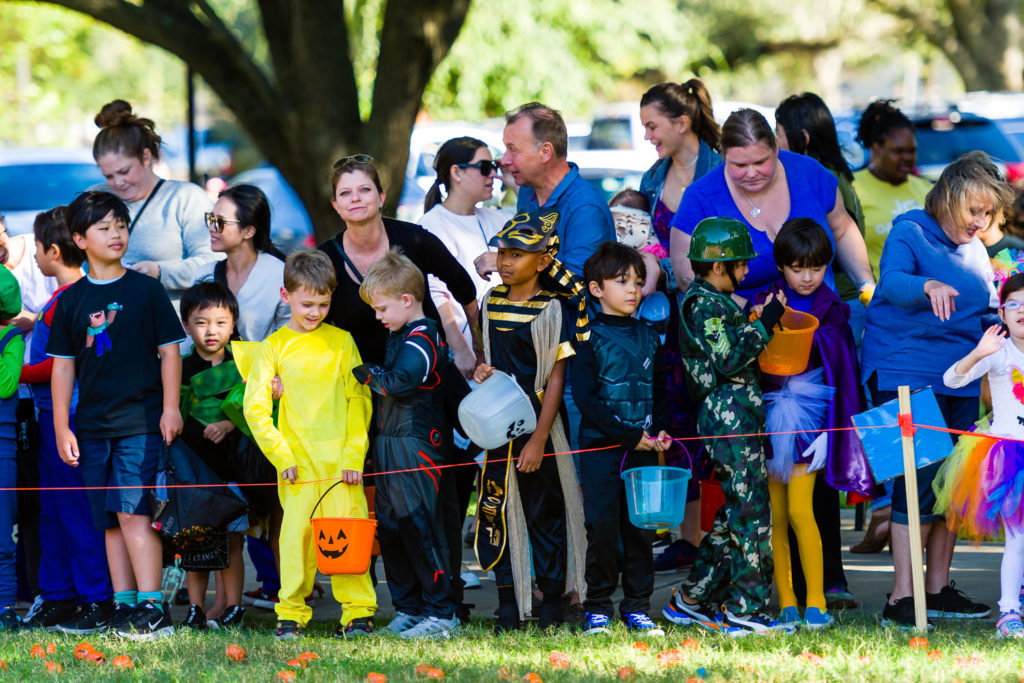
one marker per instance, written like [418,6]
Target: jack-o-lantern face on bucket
[332,547]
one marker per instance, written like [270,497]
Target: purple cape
[847,467]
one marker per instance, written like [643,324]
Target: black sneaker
[147,622]
[290,630]
[231,618]
[196,618]
[357,628]
[9,620]
[901,614]
[119,616]
[93,618]
[49,614]
[181,597]
[758,622]
[950,603]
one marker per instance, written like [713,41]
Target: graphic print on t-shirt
[99,321]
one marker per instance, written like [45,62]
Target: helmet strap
[732,278]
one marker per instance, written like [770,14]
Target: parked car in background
[424,142]
[214,157]
[290,226]
[34,180]
[610,171]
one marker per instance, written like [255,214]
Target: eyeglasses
[486,166]
[217,223]
[1013,306]
[351,160]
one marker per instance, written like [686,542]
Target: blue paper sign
[884,447]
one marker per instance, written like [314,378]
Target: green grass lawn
[858,650]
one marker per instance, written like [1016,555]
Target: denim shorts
[959,412]
[129,461]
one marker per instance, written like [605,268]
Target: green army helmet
[721,239]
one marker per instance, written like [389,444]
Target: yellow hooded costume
[322,429]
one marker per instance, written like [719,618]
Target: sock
[153,597]
[130,598]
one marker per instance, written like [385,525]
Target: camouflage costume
[719,348]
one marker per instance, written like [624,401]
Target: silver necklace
[755,211]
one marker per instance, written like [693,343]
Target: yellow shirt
[882,202]
[324,413]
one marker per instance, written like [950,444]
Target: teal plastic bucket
[656,496]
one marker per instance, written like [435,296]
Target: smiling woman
[168,232]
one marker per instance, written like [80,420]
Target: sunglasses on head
[217,223]
[351,160]
[485,166]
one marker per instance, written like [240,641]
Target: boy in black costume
[619,380]
[412,435]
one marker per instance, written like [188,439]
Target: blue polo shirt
[584,221]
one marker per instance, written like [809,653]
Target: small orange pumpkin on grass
[234,652]
[122,662]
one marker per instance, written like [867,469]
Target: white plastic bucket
[496,411]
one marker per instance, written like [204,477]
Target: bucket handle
[661,458]
[329,489]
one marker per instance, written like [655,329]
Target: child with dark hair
[209,312]
[728,587]
[116,333]
[828,395]
[619,378]
[73,573]
[413,437]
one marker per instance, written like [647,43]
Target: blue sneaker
[790,618]
[816,619]
[595,624]
[9,620]
[678,612]
[640,623]
[1010,626]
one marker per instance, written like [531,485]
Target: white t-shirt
[466,237]
[36,288]
[1005,370]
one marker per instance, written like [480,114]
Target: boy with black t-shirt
[116,333]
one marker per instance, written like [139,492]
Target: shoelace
[641,619]
[597,620]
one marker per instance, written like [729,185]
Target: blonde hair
[309,268]
[971,177]
[393,276]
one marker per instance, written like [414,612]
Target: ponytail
[433,197]
[690,99]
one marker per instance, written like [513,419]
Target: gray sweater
[172,232]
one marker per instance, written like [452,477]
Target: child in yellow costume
[321,437]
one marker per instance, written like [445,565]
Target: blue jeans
[8,514]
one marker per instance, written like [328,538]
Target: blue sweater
[904,341]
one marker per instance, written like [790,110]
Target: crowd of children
[112,393]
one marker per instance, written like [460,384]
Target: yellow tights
[792,506]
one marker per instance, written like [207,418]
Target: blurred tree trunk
[981,38]
[304,113]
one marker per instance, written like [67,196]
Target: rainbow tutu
[981,485]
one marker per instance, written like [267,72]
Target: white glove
[819,450]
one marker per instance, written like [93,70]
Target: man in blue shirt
[536,144]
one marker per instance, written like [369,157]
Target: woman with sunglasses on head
[239,227]
[365,239]
[168,232]
[467,171]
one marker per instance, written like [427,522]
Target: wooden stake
[913,517]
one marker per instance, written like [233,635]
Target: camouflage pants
[734,561]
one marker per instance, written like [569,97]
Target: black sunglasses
[215,222]
[352,159]
[485,166]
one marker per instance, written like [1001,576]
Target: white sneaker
[432,628]
[469,580]
[402,622]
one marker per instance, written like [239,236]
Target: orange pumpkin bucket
[790,347]
[343,544]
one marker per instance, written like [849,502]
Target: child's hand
[653,273]
[170,424]
[290,474]
[276,388]
[663,442]
[779,296]
[482,372]
[530,457]
[67,446]
[216,431]
[646,443]
[756,310]
[991,341]
[351,476]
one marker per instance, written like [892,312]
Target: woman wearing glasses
[933,300]
[467,171]
[239,227]
[365,239]
[168,233]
